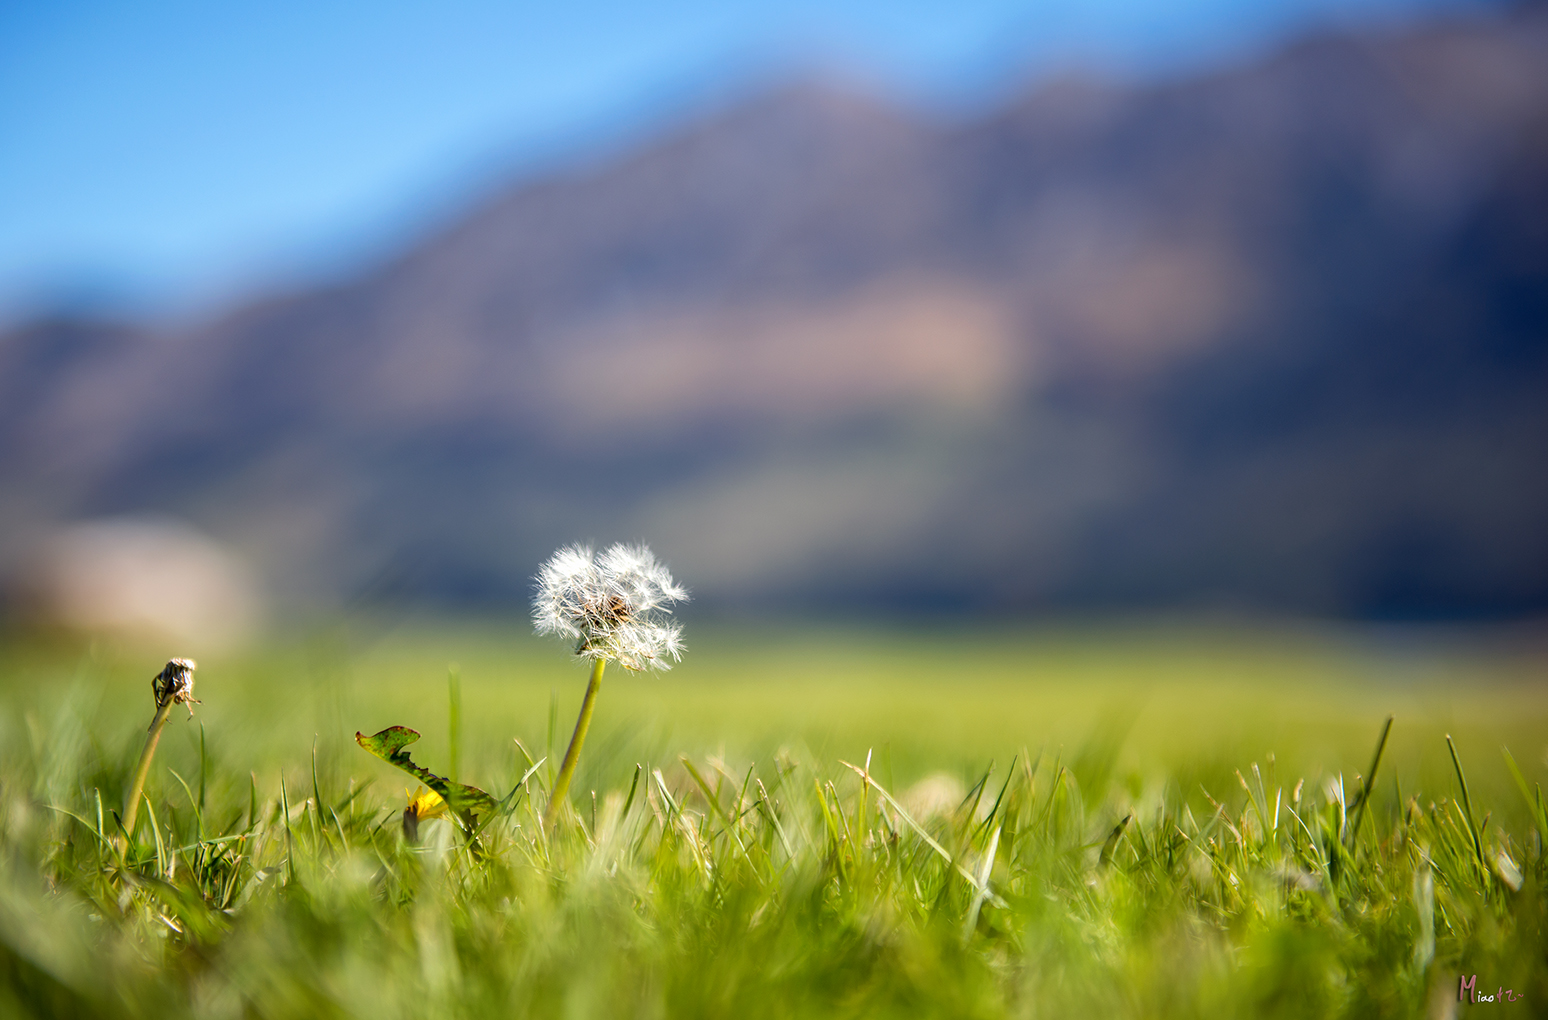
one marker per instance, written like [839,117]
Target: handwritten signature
[1469,987]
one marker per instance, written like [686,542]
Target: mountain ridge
[1146,345]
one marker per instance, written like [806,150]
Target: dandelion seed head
[612,604]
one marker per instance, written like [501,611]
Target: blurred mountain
[1273,337]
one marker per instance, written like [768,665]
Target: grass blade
[290,843]
[1534,804]
[454,719]
[920,831]
[709,796]
[1370,783]
[982,884]
[1467,805]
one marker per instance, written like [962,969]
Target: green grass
[722,861]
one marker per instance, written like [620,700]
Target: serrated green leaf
[472,806]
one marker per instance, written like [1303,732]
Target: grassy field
[1127,820]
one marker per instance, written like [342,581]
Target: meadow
[1144,819]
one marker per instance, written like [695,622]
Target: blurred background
[979,310]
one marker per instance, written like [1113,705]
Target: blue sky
[173,152]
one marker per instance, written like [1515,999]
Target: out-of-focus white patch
[142,579]
[937,795]
[1506,868]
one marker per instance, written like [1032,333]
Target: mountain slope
[1273,336]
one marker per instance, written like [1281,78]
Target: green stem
[571,756]
[142,770]
[454,718]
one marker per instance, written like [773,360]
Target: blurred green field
[1122,830]
[1195,701]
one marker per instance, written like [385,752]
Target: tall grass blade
[290,842]
[860,814]
[634,785]
[161,849]
[553,732]
[704,788]
[827,815]
[1370,783]
[1467,804]
[192,800]
[454,719]
[252,801]
[982,885]
[767,808]
[316,806]
[994,809]
[1534,804]
[1111,843]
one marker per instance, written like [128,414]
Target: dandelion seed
[612,605]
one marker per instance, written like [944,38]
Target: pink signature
[1469,987]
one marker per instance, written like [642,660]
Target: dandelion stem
[571,756]
[142,770]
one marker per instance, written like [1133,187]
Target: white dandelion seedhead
[613,605]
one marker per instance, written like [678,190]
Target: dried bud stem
[172,686]
[142,770]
